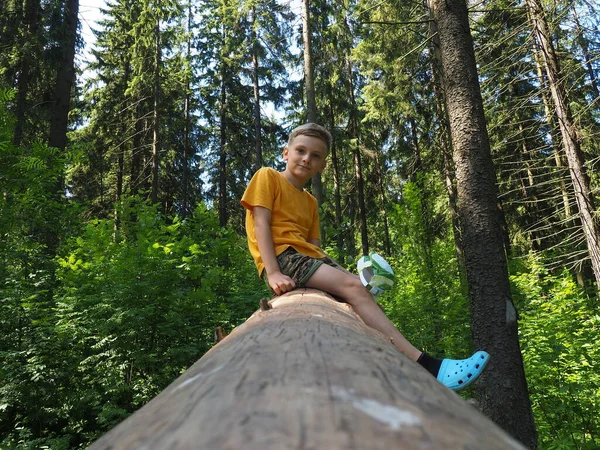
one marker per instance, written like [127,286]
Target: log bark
[306,374]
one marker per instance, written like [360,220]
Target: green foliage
[427,303]
[133,309]
[559,328]
[30,358]
[139,305]
[90,335]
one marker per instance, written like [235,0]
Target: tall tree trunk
[155,115]
[581,183]
[449,177]
[223,217]
[502,390]
[585,49]
[185,181]
[387,241]
[59,120]
[433,305]
[119,188]
[22,87]
[351,239]
[136,174]
[258,159]
[309,83]
[121,157]
[65,79]
[306,374]
[358,175]
[558,160]
[30,25]
[362,208]
[527,180]
[337,196]
[417,165]
[445,144]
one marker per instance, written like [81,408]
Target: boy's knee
[356,292]
[351,283]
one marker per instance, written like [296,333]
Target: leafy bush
[96,319]
[559,329]
[140,304]
[32,216]
[427,303]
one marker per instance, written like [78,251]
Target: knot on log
[219,335]
[265,305]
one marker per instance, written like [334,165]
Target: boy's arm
[279,282]
[315,242]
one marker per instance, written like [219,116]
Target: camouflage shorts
[299,267]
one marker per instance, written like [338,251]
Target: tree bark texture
[306,374]
[579,178]
[502,389]
[445,145]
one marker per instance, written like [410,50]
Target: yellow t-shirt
[294,215]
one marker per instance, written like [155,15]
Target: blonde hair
[314,130]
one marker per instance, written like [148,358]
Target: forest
[465,151]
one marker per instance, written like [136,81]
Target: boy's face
[305,157]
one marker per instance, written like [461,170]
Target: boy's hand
[280,283]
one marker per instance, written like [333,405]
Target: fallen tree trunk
[306,374]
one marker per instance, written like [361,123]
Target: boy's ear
[285,153]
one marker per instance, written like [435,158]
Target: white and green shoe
[375,273]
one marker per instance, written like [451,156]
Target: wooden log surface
[307,374]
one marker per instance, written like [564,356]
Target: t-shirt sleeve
[260,190]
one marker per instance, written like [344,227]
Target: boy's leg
[350,289]
[455,374]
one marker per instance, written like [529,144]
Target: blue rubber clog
[457,374]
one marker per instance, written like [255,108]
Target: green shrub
[559,329]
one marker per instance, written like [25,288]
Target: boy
[282,224]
